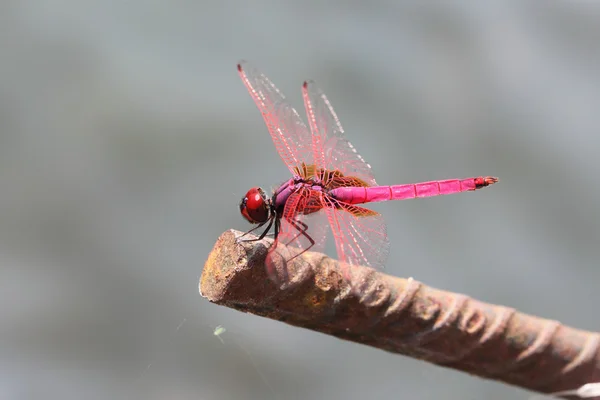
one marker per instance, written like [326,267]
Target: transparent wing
[360,235]
[303,228]
[331,150]
[290,135]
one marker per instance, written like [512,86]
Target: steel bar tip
[406,317]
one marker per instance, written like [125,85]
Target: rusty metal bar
[406,317]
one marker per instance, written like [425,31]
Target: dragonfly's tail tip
[482,182]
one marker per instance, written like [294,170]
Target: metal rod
[406,317]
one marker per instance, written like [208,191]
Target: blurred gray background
[127,140]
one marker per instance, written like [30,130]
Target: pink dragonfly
[329,179]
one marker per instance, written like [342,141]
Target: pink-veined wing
[293,238]
[290,135]
[360,235]
[331,149]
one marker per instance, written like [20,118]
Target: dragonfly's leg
[302,228]
[262,235]
[252,230]
[300,231]
[276,228]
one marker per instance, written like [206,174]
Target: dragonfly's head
[255,206]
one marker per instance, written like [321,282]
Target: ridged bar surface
[406,317]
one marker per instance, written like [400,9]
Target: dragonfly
[329,181]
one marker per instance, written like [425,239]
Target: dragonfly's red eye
[254,206]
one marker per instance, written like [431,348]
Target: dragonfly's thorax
[295,184]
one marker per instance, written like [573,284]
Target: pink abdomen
[357,195]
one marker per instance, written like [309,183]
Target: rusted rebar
[404,316]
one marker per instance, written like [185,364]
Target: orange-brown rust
[405,317]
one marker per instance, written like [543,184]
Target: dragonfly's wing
[298,233]
[290,135]
[331,149]
[360,235]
